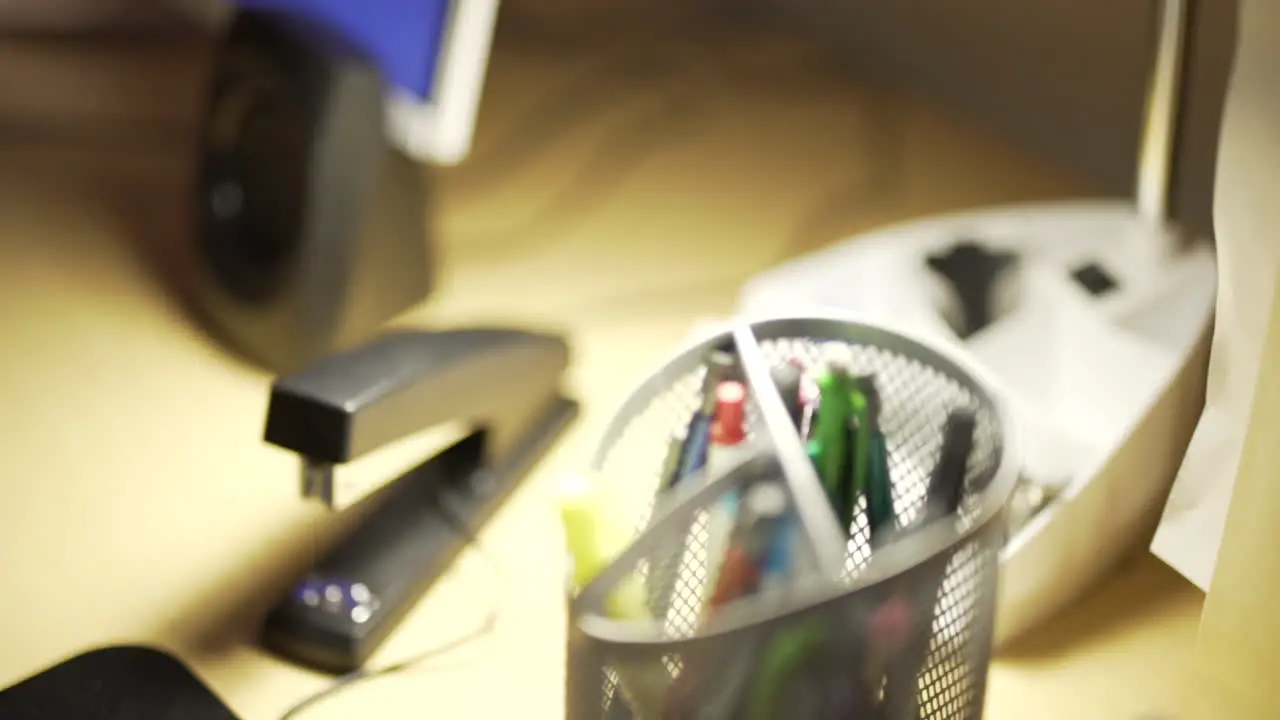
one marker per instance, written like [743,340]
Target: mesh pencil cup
[901,633]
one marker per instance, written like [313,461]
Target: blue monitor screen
[405,37]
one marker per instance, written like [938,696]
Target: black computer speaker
[311,230]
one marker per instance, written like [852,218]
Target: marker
[728,448]
[596,534]
[720,365]
[946,488]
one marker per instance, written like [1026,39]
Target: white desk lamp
[1096,323]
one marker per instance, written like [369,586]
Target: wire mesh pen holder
[901,633]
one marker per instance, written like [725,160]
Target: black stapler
[505,384]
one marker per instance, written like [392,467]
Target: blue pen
[693,457]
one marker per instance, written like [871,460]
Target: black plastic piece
[972,272]
[505,382]
[1095,279]
[114,683]
[310,229]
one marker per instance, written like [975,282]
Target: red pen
[728,447]
[739,576]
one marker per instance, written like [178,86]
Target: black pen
[946,485]
[946,488]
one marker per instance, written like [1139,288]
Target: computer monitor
[434,54]
[435,122]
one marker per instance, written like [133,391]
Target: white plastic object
[1084,373]
[439,130]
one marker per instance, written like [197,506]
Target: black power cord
[485,628]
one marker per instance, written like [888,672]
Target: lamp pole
[1160,117]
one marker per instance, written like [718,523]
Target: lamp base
[1090,319]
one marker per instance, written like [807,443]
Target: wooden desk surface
[141,505]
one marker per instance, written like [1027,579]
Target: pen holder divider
[914,617]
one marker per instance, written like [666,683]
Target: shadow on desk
[1141,590]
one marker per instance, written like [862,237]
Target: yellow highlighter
[596,532]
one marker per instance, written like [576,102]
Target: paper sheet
[1247,225]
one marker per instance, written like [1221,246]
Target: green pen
[814,449]
[859,456]
[830,431]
